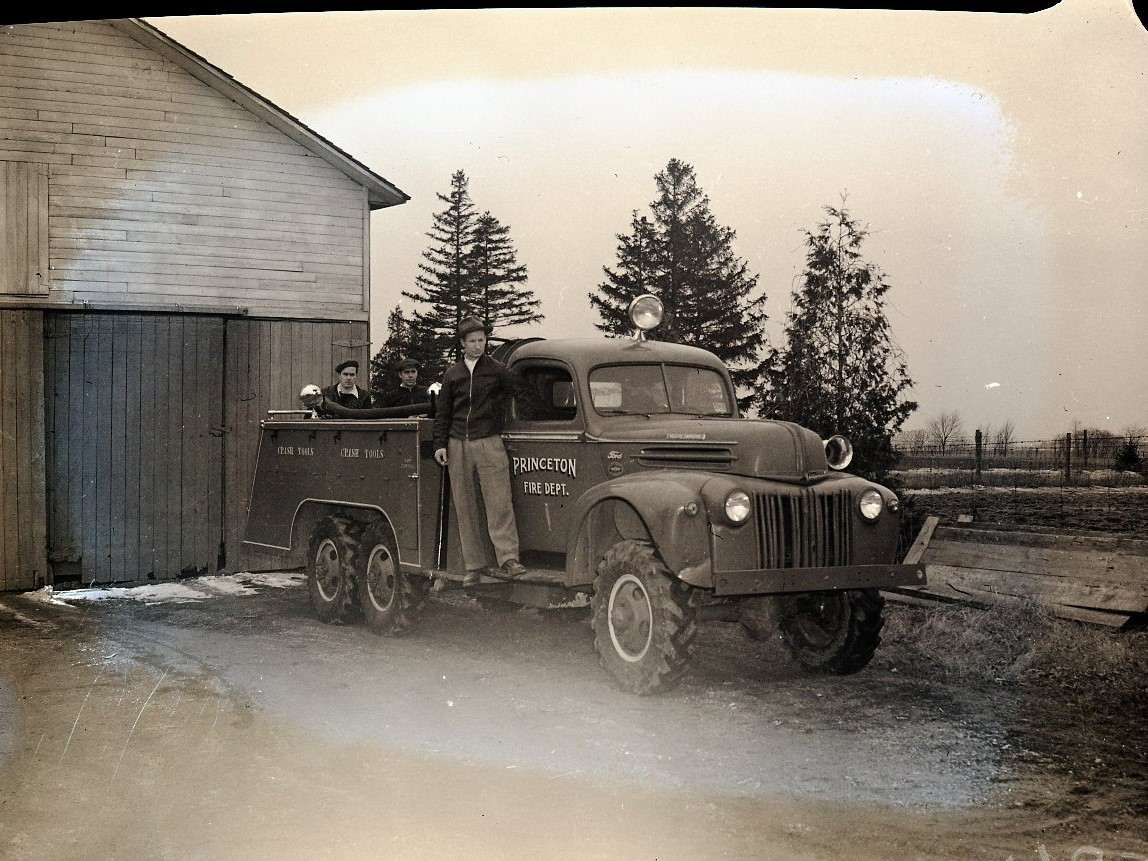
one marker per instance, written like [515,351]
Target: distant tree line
[945,434]
[837,369]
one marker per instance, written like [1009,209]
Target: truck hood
[751,447]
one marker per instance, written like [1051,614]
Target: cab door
[550,465]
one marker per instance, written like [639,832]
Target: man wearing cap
[345,393]
[467,436]
[409,391]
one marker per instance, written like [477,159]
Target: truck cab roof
[585,353]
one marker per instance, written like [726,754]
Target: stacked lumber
[1097,578]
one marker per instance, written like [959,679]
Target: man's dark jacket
[404,397]
[362,402]
[472,406]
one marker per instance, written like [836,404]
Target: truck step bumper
[782,580]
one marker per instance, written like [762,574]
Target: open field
[1106,509]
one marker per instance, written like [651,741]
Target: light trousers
[482,463]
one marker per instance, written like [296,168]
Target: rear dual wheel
[390,598]
[330,562]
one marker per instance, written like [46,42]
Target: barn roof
[380,192]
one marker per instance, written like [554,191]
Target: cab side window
[550,395]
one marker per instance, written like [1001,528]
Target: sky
[998,160]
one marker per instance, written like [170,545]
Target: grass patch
[1020,644]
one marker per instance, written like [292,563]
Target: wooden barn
[177,255]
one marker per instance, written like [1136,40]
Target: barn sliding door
[134,445]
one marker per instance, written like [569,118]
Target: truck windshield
[650,389]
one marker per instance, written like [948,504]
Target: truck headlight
[838,451]
[871,504]
[737,506]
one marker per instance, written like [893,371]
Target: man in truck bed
[467,436]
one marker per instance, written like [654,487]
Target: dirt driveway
[240,726]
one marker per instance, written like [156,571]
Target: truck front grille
[804,529]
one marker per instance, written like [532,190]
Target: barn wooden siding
[23,564]
[162,192]
[153,427]
[23,228]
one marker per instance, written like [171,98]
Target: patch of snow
[46,595]
[226,585]
[274,579]
[186,591]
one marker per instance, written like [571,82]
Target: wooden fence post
[1068,458]
[980,451]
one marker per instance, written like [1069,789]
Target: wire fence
[1068,461]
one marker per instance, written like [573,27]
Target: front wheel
[391,600]
[643,625]
[330,561]
[835,632]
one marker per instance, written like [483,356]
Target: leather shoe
[513,568]
[472,578]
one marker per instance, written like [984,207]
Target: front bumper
[771,581]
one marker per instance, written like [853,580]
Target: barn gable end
[164,193]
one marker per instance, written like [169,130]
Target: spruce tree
[634,276]
[839,371]
[443,284]
[404,341]
[497,296]
[686,258]
[470,268]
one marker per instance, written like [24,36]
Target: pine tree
[686,258]
[404,341]
[633,277]
[470,267]
[839,371]
[443,283]
[496,275]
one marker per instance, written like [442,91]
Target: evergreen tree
[404,341]
[633,277]
[492,265]
[839,371]
[470,267]
[443,284]
[686,258]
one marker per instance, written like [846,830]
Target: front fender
[659,503]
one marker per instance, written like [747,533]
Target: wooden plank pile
[1102,579]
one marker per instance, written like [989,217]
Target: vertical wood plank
[161,463]
[7,257]
[212,388]
[89,324]
[53,439]
[44,280]
[174,477]
[147,401]
[21,430]
[120,443]
[76,488]
[102,442]
[38,495]
[136,447]
[9,555]
[18,225]
[196,464]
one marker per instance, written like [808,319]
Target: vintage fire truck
[638,489]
